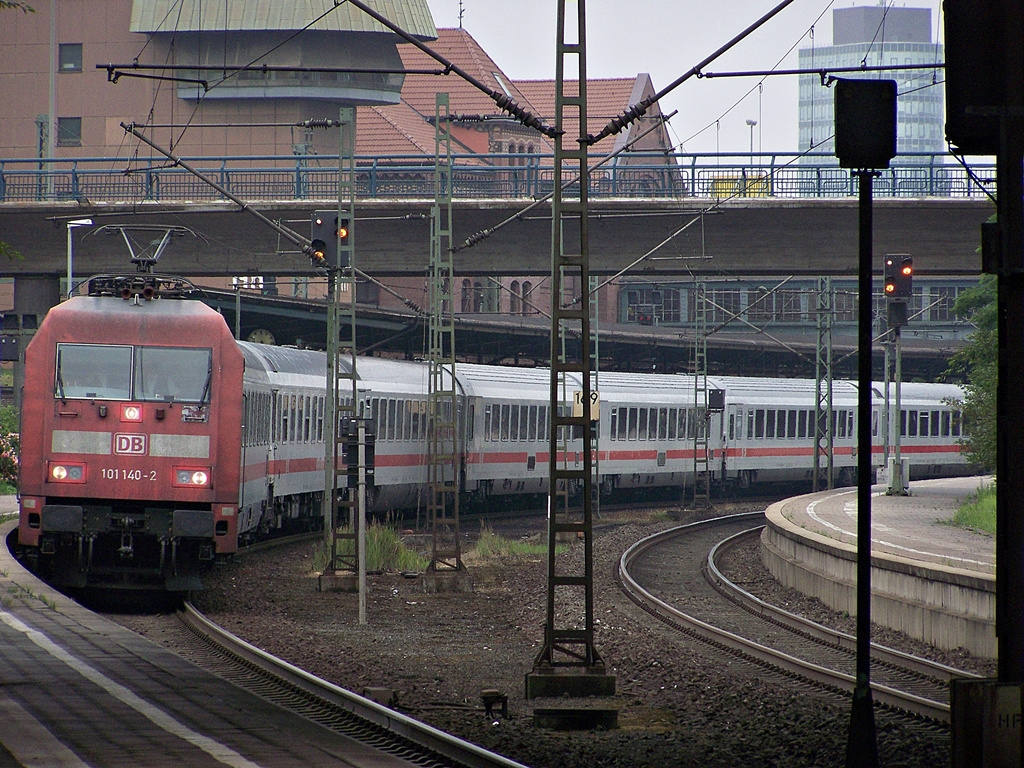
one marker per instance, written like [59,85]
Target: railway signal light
[329,240]
[899,277]
[890,276]
[904,285]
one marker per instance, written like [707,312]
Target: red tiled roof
[606,98]
[459,47]
[393,130]
[407,128]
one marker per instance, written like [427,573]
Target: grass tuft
[385,551]
[491,545]
[978,512]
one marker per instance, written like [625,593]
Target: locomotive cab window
[100,371]
[173,373]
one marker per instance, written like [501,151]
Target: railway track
[673,576]
[404,740]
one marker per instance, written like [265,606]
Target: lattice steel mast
[568,643]
[823,433]
[442,403]
[342,502]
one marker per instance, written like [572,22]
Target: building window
[69,131]
[513,303]
[70,57]
[467,296]
[527,298]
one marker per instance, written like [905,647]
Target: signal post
[898,289]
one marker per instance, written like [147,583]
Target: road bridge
[749,236]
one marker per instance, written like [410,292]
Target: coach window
[923,423]
[400,407]
[801,424]
[99,371]
[935,423]
[514,423]
[505,419]
[389,419]
[631,428]
[791,424]
[770,424]
[759,424]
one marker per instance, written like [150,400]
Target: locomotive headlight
[67,473]
[131,412]
[191,477]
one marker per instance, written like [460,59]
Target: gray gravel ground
[680,703]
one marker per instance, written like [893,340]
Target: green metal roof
[198,16]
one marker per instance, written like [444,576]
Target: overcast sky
[666,38]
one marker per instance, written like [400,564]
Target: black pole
[1009,448]
[862,744]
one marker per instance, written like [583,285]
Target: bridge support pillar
[33,297]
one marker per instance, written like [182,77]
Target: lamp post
[751,123]
[71,225]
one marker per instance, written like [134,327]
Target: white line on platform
[157,716]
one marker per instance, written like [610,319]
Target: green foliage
[978,512]
[977,364]
[16,4]
[10,447]
[490,546]
[8,252]
[385,551]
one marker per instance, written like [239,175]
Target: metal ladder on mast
[442,402]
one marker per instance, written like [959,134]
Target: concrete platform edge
[947,607]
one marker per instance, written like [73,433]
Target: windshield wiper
[206,386]
[60,383]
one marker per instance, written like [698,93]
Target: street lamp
[751,123]
[71,225]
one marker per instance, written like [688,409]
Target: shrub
[10,447]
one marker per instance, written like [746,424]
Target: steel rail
[426,737]
[751,650]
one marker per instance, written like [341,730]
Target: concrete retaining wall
[946,607]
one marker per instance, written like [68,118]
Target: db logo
[134,445]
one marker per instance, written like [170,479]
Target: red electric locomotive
[131,442]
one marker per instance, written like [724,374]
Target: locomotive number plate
[113,473]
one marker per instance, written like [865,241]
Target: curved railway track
[673,576]
[408,741]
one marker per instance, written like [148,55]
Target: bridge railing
[526,176]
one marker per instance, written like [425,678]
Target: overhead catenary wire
[504,102]
[639,109]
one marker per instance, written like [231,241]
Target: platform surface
[77,690]
[916,527]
